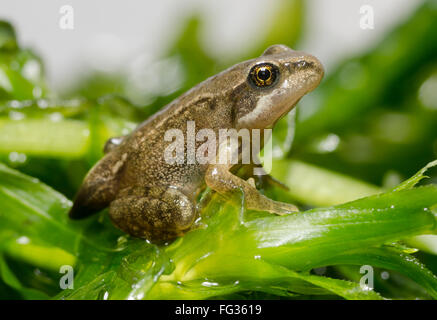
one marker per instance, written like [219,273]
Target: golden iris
[263,75]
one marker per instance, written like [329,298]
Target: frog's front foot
[220,179]
[282,208]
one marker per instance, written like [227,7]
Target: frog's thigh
[155,216]
[219,178]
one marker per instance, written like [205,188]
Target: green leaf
[32,209]
[35,137]
[317,186]
[391,258]
[346,289]
[411,182]
[297,242]
[8,39]
[252,250]
[11,280]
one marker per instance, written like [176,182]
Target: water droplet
[320,271]
[210,284]
[366,287]
[42,104]
[140,296]
[106,295]
[23,240]
[428,93]
[37,92]
[65,203]
[31,70]
[56,116]
[385,275]
[328,144]
[17,157]
[15,104]
[4,81]
[15,115]
[121,242]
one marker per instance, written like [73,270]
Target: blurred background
[116,35]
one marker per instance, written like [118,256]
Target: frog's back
[145,147]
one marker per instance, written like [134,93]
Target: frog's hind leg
[158,214]
[99,188]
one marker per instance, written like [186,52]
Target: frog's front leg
[155,213]
[261,177]
[219,178]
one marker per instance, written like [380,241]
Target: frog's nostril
[301,64]
[312,64]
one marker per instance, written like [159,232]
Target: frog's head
[272,84]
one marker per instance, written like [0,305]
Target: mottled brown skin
[150,198]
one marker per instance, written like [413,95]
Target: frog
[150,198]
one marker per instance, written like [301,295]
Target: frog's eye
[263,75]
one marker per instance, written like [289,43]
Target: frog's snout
[317,66]
[310,69]
[317,69]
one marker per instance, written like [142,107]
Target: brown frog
[149,197]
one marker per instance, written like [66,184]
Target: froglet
[149,197]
